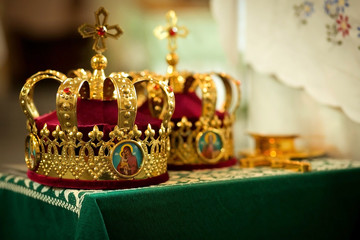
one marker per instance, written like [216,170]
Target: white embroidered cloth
[310,44]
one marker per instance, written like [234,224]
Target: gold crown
[201,141]
[116,154]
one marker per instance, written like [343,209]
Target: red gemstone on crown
[156,87]
[101,31]
[173,31]
[67,91]
[170,89]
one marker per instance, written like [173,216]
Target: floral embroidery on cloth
[340,25]
[339,28]
[341,5]
[343,25]
[304,11]
[334,7]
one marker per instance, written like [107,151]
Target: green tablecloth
[225,203]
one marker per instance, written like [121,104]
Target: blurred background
[40,34]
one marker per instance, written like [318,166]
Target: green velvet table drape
[259,203]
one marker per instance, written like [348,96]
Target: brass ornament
[277,151]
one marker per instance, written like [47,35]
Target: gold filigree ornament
[205,140]
[92,156]
[278,151]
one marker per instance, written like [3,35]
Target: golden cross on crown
[171,31]
[100,31]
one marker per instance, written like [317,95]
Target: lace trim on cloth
[68,199]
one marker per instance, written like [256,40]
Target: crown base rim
[96,184]
[187,167]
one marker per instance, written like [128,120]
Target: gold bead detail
[98,62]
[127,114]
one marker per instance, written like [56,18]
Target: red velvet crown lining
[96,112]
[104,114]
[186,104]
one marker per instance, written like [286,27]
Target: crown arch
[232,92]
[66,101]
[26,96]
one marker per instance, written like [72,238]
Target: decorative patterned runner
[15,180]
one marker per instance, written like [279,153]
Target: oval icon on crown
[32,152]
[127,158]
[210,145]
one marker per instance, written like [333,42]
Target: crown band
[64,153]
